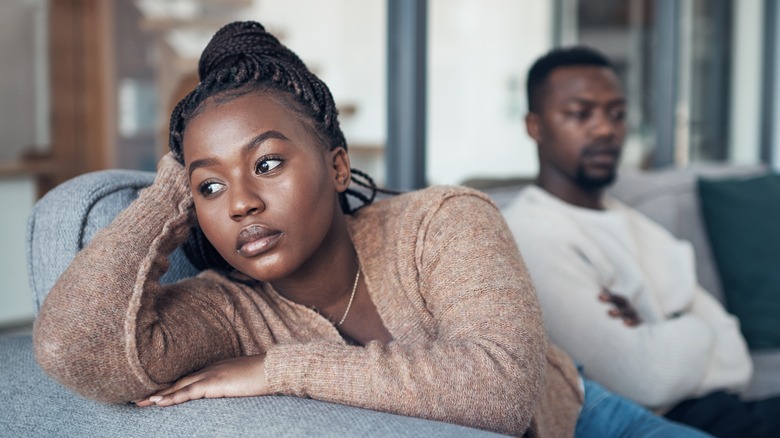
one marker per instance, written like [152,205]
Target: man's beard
[589,182]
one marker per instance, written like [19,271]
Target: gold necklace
[352,297]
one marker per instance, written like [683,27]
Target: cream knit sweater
[687,345]
[440,265]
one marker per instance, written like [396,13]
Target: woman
[405,305]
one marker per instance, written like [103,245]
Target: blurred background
[89,84]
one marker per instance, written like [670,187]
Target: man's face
[580,125]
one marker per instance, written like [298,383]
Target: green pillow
[742,217]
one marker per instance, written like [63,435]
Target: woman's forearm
[85,334]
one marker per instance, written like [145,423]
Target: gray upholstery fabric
[32,405]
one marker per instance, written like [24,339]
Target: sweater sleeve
[485,367]
[656,364]
[730,366]
[108,330]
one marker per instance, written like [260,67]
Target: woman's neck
[326,280]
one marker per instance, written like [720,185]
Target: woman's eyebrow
[257,141]
[250,146]
[205,162]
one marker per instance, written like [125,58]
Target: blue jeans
[605,414]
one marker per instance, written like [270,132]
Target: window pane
[627,32]
[623,31]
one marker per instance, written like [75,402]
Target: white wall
[17,195]
[24,123]
[344,43]
[479,53]
[746,64]
[23,77]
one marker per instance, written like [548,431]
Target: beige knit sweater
[440,265]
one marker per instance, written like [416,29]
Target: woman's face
[265,189]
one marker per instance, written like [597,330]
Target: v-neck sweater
[440,265]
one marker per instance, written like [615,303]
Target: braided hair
[242,58]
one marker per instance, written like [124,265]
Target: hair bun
[243,39]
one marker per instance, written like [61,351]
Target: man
[618,292]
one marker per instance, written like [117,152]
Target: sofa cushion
[741,218]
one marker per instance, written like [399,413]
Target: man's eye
[209,188]
[265,166]
[619,115]
[579,115]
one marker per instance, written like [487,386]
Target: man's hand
[238,377]
[623,308]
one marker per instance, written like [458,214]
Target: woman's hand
[168,160]
[238,377]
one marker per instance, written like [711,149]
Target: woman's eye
[209,188]
[265,166]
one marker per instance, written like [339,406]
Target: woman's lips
[256,239]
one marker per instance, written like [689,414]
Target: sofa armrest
[64,221]
[31,404]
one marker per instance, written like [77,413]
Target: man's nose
[602,125]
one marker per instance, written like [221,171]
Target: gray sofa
[65,219]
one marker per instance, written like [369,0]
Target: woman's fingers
[159,395]
[237,377]
[194,391]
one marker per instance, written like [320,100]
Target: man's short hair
[556,58]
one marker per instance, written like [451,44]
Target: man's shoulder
[532,214]
[636,218]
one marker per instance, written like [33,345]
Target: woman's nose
[244,203]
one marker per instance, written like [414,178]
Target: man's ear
[533,126]
[342,175]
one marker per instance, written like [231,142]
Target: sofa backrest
[671,198]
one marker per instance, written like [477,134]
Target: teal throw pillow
[742,217]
